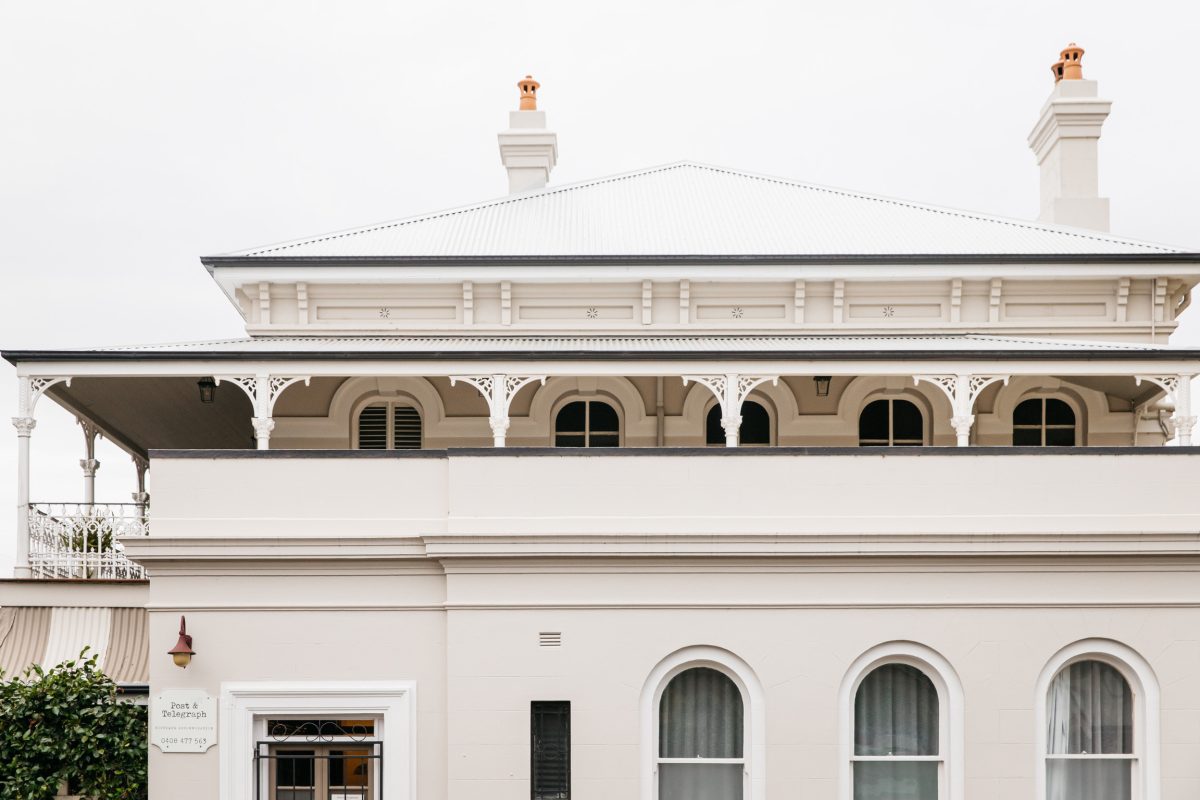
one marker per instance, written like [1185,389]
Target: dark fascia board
[25,356]
[658,452]
[212,262]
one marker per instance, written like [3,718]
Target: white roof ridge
[521,197]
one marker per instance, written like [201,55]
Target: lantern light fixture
[182,652]
[208,390]
[822,383]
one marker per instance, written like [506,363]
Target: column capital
[24,425]
[89,466]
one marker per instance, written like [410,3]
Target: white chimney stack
[1065,141]
[527,150]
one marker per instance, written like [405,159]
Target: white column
[962,391]
[731,391]
[24,426]
[29,390]
[140,496]
[89,464]
[499,391]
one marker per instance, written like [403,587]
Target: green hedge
[66,725]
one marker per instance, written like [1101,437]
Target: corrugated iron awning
[50,635]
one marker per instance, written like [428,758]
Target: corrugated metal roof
[318,345]
[128,658]
[690,209]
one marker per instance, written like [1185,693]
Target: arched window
[891,423]
[587,423]
[1043,422]
[701,737]
[1090,753]
[388,426]
[897,737]
[755,429]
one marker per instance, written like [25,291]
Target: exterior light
[182,652]
[822,382]
[208,389]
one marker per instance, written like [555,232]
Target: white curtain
[1089,710]
[896,714]
[700,716]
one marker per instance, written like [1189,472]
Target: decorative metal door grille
[318,760]
[550,751]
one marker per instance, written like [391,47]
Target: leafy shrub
[66,725]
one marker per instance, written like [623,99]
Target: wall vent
[550,639]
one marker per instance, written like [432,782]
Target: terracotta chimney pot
[528,88]
[1071,59]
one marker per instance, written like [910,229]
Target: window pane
[294,768]
[1029,437]
[372,428]
[896,713]
[569,440]
[1089,709]
[1060,437]
[895,780]
[550,743]
[295,794]
[406,428]
[1059,413]
[907,423]
[1088,779]
[700,716]
[604,440]
[700,782]
[713,432]
[603,418]
[1028,412]
[873,421]
[571,418]
[349,768]
[756,425]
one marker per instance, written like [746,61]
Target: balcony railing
[81,540]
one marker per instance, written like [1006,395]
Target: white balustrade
[82,540]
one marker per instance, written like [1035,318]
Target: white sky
[140,135]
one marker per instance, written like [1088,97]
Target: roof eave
[213,262]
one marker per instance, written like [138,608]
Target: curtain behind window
[700,716]
[1089,710]
[896,714]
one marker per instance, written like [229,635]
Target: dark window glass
[1058,413]
[700,716]
[891,423]
[1043,422]
[907,424]
[550,751]
[587,423]
[873,423]
[755,429]
[1028,412]
[571,418]
[294,768]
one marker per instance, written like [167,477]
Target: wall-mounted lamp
[822,382]
[182,652]
[208,389]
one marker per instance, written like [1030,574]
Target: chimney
[527,150]
[1065,141]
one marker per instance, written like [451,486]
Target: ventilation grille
[406,433]
[550,639]
[372,428]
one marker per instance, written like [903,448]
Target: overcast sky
[140,135]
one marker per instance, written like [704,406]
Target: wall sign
[183,721]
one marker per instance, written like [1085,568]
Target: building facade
[682,484]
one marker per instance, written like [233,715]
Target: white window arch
[1046,420]
[704,688]
[885,739]
[1097,724]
